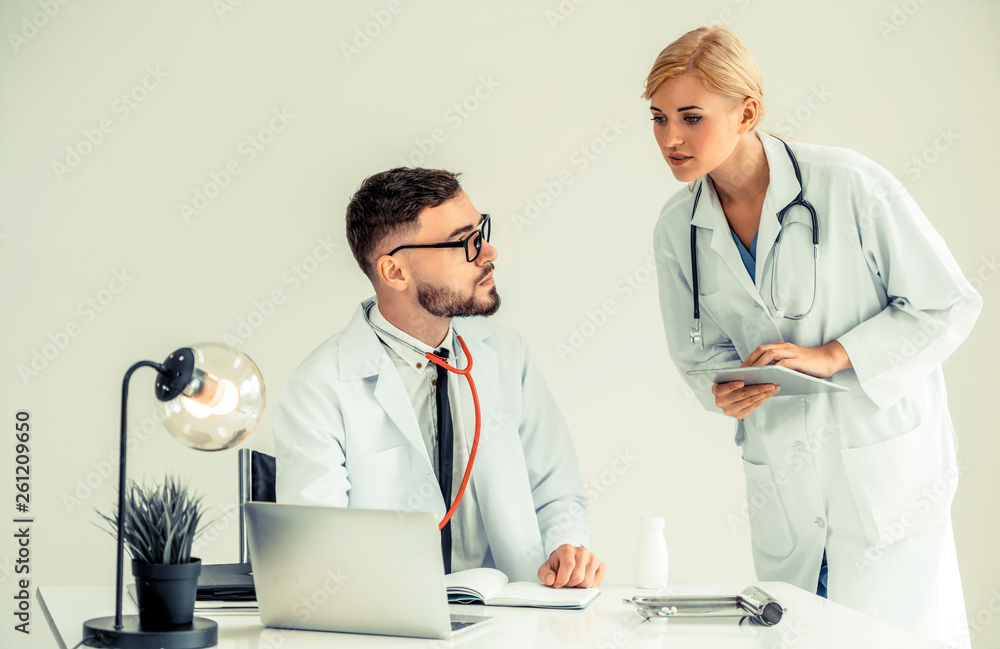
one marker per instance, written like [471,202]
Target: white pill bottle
[651,557]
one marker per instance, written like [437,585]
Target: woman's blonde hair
[716,56]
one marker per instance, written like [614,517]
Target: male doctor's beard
[449,303]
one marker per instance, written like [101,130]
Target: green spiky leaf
[160,522]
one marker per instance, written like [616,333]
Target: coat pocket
[899,486]
[769,529]
[379,480]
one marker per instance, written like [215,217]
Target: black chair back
[257,479]
[262,477]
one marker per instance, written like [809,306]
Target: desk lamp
[210,397]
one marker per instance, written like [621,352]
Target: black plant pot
[166,593]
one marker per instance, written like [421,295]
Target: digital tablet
[791,382]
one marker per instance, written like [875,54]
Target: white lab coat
[868,474]
[346,436]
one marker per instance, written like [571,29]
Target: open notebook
[490,587]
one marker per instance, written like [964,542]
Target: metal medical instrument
[753,605]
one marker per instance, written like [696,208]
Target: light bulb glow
[220,401]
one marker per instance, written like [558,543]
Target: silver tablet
[791,382]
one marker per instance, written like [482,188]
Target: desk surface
[810,621]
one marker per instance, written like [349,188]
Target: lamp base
[101,632]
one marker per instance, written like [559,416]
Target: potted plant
[160,523]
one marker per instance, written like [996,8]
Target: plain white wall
[897,80]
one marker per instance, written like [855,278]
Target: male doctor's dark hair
[385,208]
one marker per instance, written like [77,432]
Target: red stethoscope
[437,360]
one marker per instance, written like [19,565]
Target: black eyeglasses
[473,243]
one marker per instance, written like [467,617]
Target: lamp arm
[121,486]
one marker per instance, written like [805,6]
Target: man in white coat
[367,421]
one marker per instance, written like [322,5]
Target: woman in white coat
[849,493]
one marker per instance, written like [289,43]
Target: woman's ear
[749,115]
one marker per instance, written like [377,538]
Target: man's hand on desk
[571,567]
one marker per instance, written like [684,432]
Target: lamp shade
[212,398]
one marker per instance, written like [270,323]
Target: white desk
[607,623]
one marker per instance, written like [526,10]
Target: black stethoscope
[798,201]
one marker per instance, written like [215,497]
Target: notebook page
[524,593]
[481,582]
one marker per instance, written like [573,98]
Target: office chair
[234,581]
[257,477]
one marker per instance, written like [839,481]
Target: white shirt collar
[400,342]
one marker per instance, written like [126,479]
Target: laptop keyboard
[455,625]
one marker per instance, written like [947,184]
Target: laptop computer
[351,570]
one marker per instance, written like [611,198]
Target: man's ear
[394,275]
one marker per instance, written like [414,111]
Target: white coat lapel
[391,395]
[499,476]
[485,373]
[362,355]
[710,215]
[782,189]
